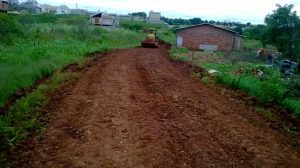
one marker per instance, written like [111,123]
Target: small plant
[24,117]
[267,113]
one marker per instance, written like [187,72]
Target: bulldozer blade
[149,44]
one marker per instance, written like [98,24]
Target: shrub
[9,29]
[252,44]
[272,90]
[292,105]
[269,89]
[180,50]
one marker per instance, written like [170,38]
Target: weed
[292,105]
[23,63]
[268,87]
[267,113]
[24,116]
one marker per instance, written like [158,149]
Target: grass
[267,113]
[292,105]
[250,44]
[27,60]
[42,45]
[240,74]
[23,118]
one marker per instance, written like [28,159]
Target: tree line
[235,26]
[281,28]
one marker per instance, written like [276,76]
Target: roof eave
[236,33]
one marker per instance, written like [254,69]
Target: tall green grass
[37,46]
[269,87]
[23,119]
[47,47]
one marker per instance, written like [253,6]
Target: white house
[62,9]
[105,19]
[30,6]
[154,17]
[48,9]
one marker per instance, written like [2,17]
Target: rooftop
[207,24]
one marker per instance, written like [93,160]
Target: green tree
[141,14]
[255,32]
[195,21]
[282,27]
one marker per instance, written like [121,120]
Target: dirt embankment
[135,108]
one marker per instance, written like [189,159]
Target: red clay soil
[136,108]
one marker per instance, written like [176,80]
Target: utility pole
[76,10]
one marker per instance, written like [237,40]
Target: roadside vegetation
[244,70]
[246,73]
[37,46]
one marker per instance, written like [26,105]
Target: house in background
[155,17]
[13,5]
[48,9]
[105,19]
[208,37]
[62,9]
[30,6]
[3,5]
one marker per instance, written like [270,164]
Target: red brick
[209,35]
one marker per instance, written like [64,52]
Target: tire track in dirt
[135,108]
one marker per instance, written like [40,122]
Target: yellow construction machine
[151,39]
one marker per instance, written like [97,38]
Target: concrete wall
[210,37]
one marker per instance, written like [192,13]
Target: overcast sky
[244,11]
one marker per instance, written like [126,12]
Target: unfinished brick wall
[207,35]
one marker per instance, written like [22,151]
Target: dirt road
[136,108]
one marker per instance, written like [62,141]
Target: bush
[9,29]
[252,44]
[292,105]
[271,90]
[267,89]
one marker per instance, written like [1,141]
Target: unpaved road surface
[136,108]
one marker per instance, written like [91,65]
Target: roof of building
[152,12]
[102,14]
[48,6]
[207,24]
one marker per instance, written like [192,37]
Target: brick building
[208,37]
